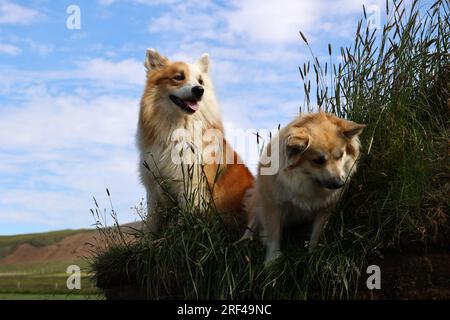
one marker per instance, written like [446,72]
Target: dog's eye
[340,155]
[319,160]
[200,81]
[179,77]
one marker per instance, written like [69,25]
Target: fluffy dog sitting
[179,114]
[316,156]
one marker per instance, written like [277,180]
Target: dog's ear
[154,61]
[297,142]
[351,129]
[203,62]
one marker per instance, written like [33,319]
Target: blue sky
[69,98]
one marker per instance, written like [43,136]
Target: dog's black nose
[197,92]
[333,184]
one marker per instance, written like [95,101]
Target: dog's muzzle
[189,104]
[332,184]
[197,92]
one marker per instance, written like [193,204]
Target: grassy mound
[395,80]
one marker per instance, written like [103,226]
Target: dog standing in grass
[317,155]
[181,141]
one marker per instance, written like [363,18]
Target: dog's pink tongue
[192,104]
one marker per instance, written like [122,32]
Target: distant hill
[56,246]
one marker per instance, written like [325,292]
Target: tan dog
[180,138]
[316,156]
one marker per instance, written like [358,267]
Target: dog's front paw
[272,258]
[248,235]
[311,247]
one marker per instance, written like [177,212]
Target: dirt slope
[72,247]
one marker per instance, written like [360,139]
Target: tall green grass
[395,80]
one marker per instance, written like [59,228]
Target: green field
[42,281]
[43,296]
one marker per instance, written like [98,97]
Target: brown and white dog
[179,116]
[316,155]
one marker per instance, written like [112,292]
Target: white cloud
[192,23]
[106,2]
[272,21]
[39,48]
[47,121]
[11,13]
[129,71]
[278,22]
[103,74]
[26,44]
[145,2]
[60,151]
[9,49]
[261,22]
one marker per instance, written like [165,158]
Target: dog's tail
[252,216]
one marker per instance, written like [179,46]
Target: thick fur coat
[181,142]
